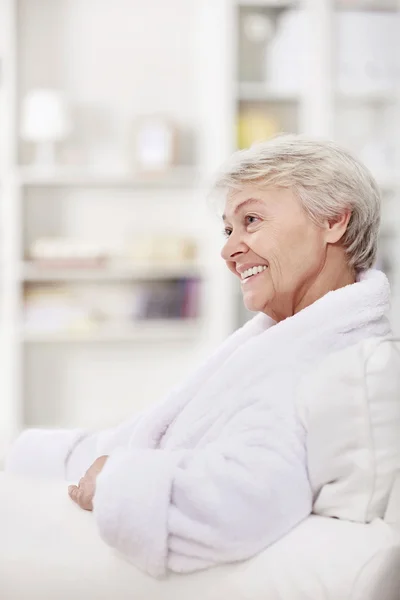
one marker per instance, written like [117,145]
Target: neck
[328,280]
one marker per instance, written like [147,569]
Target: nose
[233,247]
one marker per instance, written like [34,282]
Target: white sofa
[50,549]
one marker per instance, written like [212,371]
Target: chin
[255,304]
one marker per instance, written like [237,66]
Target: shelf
[374,5]
[175,178]
[142,272]
[260,92]
[378,97]
[162,330]
[269,3]
[378,5]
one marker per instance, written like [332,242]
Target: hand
[83,493]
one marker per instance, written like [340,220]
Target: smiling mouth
[252,272]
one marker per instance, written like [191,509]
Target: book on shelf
[55,308]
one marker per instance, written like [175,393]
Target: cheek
[306,250]
[292,247]
[296,250]
[265,243]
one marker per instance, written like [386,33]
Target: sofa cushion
[350,406]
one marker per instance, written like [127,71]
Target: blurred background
[114,116]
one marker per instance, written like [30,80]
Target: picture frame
[155,144]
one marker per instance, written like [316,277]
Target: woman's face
[274,247]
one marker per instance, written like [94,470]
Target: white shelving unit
[95,376]
[66,378]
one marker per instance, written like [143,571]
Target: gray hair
[325,177]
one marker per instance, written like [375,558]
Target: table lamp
[45,120]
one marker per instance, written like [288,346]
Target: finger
[85,500]
[87,503]
[82,495]
[73,492]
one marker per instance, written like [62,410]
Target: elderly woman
[218,470]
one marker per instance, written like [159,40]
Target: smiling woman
[287,209]
[219,470]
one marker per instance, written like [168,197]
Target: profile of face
[276,249]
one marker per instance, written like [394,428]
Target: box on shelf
[255,125]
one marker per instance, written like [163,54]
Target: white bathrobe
[217,471]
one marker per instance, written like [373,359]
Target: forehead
[237,200]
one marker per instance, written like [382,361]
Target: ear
[336,228]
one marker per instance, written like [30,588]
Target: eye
[227,232]
[251,219]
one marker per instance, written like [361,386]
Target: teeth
[253,271]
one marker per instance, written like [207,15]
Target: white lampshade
[45,116]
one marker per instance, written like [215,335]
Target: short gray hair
[326,178]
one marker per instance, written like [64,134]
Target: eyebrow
[243,204]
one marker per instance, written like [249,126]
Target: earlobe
[336,227]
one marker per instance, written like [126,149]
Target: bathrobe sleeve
[44,452]
[63,453]
[187,510]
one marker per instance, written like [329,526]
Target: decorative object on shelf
[255,125]
[45,121]
[67,253]
[160,248]
[155,144]
[286,55]
[256,29]
[150,256]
